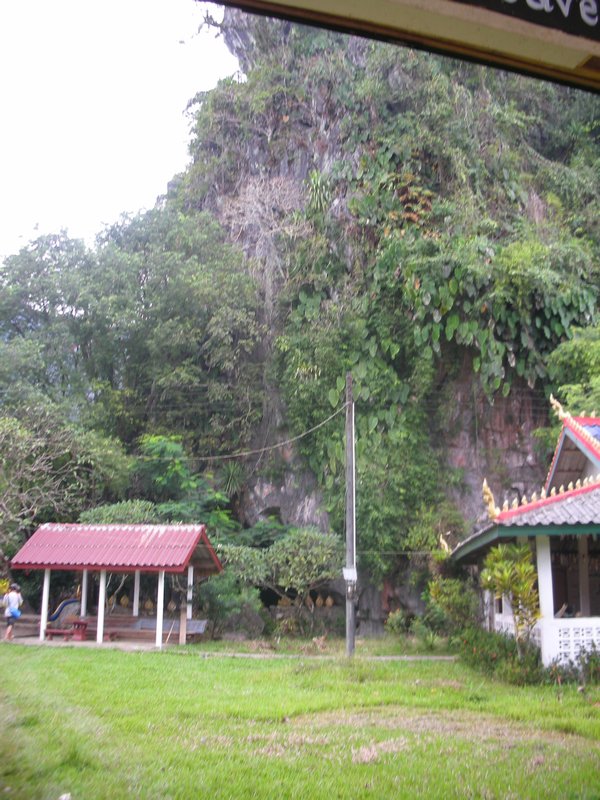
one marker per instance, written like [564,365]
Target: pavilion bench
[66,633]
[77,630]
[194,629]
[144,628]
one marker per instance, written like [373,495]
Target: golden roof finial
[488,499]
[558,409]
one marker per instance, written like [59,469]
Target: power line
[268,448]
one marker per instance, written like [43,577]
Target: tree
[452,604]
[509,572]
[127,512]
[295,564]
[51,470]
[173,331]
[575,370]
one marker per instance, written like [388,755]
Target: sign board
[555,39]
[574,17]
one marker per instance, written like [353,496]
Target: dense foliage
[350,207]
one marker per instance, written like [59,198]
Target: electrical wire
[268,448]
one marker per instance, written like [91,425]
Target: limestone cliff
[283,162]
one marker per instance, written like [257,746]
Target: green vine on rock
[511,305]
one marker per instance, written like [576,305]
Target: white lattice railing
[574,635]
[504,623]
[559,639]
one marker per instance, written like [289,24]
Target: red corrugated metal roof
[118,547]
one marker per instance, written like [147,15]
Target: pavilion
[562,526]
[137,549]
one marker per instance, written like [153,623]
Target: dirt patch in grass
[368,736]
[448,724]
[373,752]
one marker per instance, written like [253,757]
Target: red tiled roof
[574,512]
[149,548]
[575,507]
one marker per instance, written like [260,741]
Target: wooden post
[45,602]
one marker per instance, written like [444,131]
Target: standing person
[12,603]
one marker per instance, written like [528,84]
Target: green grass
[331,646]
[101,723]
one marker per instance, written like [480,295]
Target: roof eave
[496,533]
[99,567]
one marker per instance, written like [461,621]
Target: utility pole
[350,575]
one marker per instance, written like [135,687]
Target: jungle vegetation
[349,206]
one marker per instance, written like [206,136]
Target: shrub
[225,601]
[589,665]
[496,654]
[585,670]
[425,635]
[509,571]
[398,622]
[452,605]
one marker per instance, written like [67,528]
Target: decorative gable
[577,454]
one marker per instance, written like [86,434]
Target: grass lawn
[101,723]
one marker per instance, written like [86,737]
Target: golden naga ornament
[488,499]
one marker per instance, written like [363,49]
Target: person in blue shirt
[12,603]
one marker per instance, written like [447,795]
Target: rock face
[492,441]
[292,499]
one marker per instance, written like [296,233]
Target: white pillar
[45,601]
[549,638]
[160,608]
[190,589]
[84,593]
[101,604]
[584,576]
[136,593]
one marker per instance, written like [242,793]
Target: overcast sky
[92,99]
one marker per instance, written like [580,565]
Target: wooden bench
[194,628]
[77,630]
[119,627]
[144,628]
[66,633]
